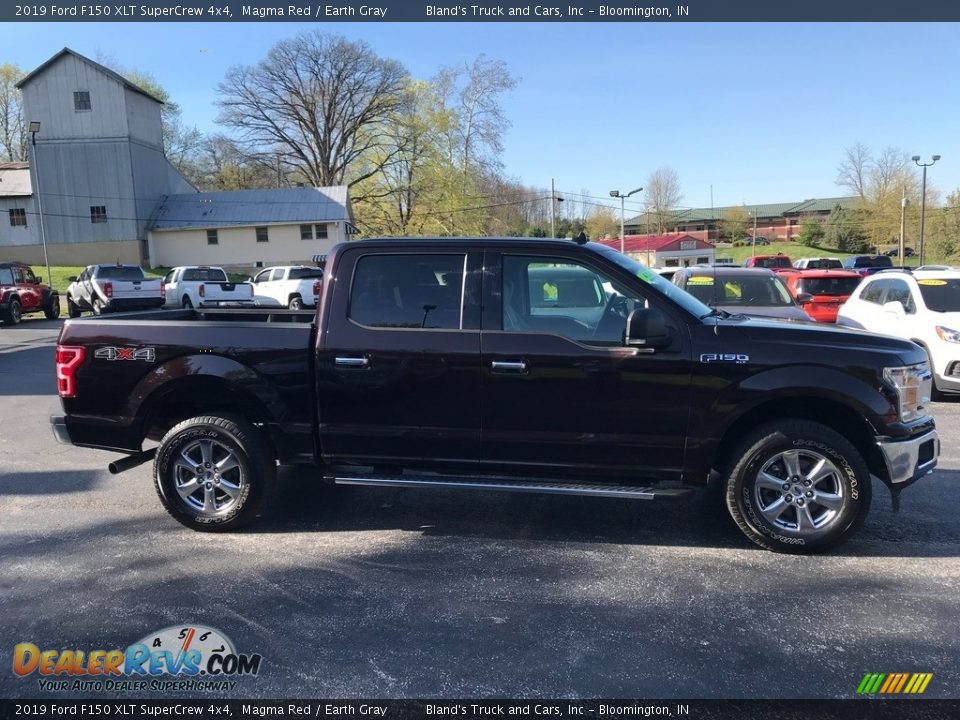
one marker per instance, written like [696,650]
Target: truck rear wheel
[797,486]
[214,474]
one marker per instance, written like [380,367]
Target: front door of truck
[562,394]
[398,364]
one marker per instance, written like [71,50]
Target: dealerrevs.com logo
[191,657]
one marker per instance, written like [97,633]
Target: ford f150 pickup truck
[491,364]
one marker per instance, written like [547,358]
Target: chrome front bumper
[908,460]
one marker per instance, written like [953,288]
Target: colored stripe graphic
[894,683]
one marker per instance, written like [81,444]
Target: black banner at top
[482,11]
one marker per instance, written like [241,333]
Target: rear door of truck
[398,361]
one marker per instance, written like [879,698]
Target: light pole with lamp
[622,196]
[923,196]
[33,129]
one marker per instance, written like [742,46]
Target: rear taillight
[202,291]
[163,290]
[316,287]
[69,358]
[108,289]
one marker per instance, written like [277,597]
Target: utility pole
[754,252]
[903,224]
[34,128]
[923,197]
[553,210]
[624,196]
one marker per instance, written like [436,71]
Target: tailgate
[227,291]
[132,289]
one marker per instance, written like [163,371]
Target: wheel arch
[828,412]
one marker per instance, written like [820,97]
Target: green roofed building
[775,221]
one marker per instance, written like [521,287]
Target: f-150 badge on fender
[724,357]
[126,353]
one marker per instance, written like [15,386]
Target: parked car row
[122,287]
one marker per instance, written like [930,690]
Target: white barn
[108,192]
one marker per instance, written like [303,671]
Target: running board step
[552,487]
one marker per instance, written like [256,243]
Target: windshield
[740,290]
[689,303]
[871,262]
[824,264]
[829,286]
[305,273]
[119,272]
[941,295]
[772,262]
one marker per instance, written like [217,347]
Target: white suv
[922,306]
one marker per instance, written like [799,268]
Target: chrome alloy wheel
[800,491]
[208,477]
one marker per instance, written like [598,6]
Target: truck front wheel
[214,473]
[797,486]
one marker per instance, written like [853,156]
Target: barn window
[212,238]
[262,235]
[321,232]
[98,213]
[18,217]
[306,232]
[81,100]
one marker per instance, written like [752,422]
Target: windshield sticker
[931,282]
[700,280]
[648,276]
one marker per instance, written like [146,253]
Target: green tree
[811,233]
[13,131]
[942,233]
[603,222]
[844,232]
[734,224]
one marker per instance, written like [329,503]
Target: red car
[827,290]
[770,262]
[21,292]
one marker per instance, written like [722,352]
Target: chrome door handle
[517,367]
[351,362]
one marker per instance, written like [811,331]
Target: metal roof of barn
[238,208]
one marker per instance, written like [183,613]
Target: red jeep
[21,292]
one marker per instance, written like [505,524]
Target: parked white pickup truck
[205,286]
[105,288]
[291,286]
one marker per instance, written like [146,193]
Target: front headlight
[912,384]
[945,333]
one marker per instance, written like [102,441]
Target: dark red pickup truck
[517,364]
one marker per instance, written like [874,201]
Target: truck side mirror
[647,327]
[804,298]
[72,278]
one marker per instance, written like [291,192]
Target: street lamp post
[923,196]
[33,129]
[623,196]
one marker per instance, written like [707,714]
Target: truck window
[543,294]
[204,275]
[408,291]
[277,274]
[899,291]
[306,273]
[119,272]
[262,277]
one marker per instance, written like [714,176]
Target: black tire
[847,487]
[97,306]
[52,310]
[254,478]
[14,313]
[296,303]
[185,303]
[72,309]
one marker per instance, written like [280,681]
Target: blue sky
[760,111]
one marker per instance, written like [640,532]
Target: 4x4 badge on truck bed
[126,353]
[724,357]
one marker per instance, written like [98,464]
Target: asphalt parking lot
[360,592]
